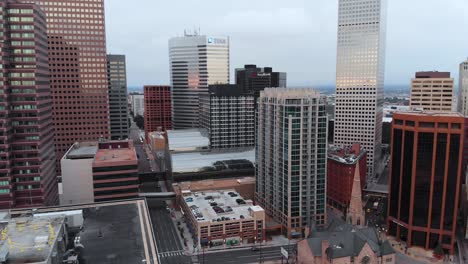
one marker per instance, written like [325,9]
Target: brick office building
[27,158]
[158,108]
[78,71]
[341,166]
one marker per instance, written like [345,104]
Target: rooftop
[212,161]
[429,113]
[110,232]
[346,155]
[431,74]
[82,150]
[188,139]
[346,241]
[115,155]
[222,205]
[29,239]
[214,184]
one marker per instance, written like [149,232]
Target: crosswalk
[171,254]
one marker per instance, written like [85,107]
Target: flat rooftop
[30,239]
[111,232]
[429,113]
[211,161]
[115,155]
[188,139]
[231,205]
[214,184]
[82,150]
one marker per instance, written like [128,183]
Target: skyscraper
[78,71]
[360,76]
[463,89]
[27,157]
[157,108]
[432,91]
[229,116]
[118,105]
[291,154]
[196,61]
[425,178]
[252,79]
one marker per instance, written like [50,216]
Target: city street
[170,249]
[241,256]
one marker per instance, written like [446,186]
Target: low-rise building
[101,171]
[85,233]
[345,244]
[223,216]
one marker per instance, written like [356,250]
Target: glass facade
[196,62]
[291,138]
[425,178]
[118,103]
[360,76]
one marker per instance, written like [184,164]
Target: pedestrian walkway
[171,253]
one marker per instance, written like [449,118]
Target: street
[170,249]
[243,255]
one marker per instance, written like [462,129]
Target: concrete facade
[432,91]
[463,88]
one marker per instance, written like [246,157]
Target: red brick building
[158,110]
[425,178]
[78,71]
[115,171]
[341,166]
[27,158]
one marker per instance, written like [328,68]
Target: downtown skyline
[302,30]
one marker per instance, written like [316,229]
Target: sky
[293,36]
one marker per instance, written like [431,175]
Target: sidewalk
[414,253]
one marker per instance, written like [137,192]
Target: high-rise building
[432,91]
[118,105]
[360,77]
[196,61]
[157,108]
[78,71]
[425,178]
[291,157]
[137,104]
[252,79]
[463,88]
[228,115]
[27,157]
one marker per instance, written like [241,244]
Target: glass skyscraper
[291,155]
[196,61]
[360,76]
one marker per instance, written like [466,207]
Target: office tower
[360,77]
[137,104]
[291,155]
[78,71]
[157,108]
[27,157]
[196,61]
[463,88]
[252,79]
[432,91]
[341,169]
[425,178]
[118,106]
[229,116]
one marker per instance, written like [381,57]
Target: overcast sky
[294,36]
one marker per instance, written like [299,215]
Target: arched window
[365,260]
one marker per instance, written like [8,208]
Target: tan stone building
[432,91]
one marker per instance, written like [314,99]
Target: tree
[140,121]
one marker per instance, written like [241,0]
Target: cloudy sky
[295,36]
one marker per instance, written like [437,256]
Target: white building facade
[196,61]
[137,102]
[360,76]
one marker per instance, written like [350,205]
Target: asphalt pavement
[243,256]
[170,249]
